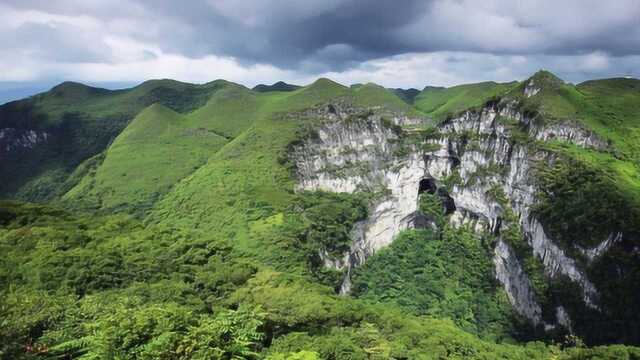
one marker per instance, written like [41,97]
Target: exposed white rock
[518,188]
[530,89]
[562,317]
[568,132]
[555,261]
[16,139]
[476,147]
[516,283]
[356,155]
[601,248]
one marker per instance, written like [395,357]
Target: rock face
[531,89]
[364,153]
[516,283]
[474,156]
[15,139]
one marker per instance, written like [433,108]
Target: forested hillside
[181,221]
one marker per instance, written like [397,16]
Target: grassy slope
[612,108]
[154,152]
[160,147]
[440,102]
[371,95]
[244,181]
[245,174]
[228,112]
[609,107]
[82,121]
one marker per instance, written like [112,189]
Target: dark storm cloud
[309,34]
[337,33]
[320,35]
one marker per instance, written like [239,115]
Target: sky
[394,43]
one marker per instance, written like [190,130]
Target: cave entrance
[447,201]
[428,186]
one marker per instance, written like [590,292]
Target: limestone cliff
[483,160]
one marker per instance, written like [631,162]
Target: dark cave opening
[447,201]
[428,186]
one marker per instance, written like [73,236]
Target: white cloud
[595,61]
[13,18]
[408,70]
[196,70]
[129,50]
[452,68]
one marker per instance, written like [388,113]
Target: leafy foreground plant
[167,331]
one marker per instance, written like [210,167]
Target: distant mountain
[440,102]
[408,95]
[279,86]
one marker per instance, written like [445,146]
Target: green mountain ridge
[277,86]
[170,225]
[442,102]
[408,95]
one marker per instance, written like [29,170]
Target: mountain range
[175,220]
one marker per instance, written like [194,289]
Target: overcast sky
[395,43]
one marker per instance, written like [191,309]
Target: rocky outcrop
[475,155]
[531,89]
[364,153]
[593,253]
[513,175]
[12,139]
[569,132]
[555,260]
[516,283]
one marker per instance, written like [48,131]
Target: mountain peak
[541,80]
[155,83]
[432,88]
[278,86]
[325,82]
[544,77]
[67,85]
[407,95]
[74,89]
